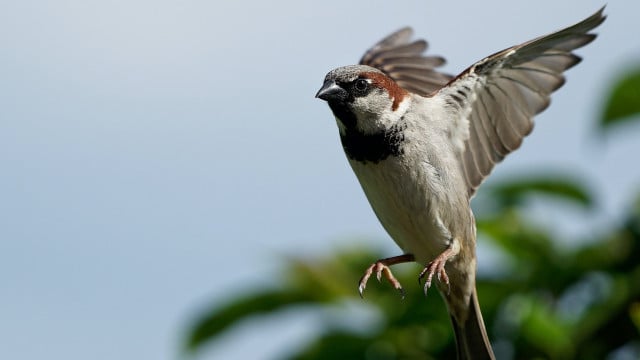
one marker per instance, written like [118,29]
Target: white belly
[401,195]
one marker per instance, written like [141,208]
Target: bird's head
[363,98]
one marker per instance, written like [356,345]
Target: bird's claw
[379,268]
[435,267]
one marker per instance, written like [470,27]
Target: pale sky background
[161,156]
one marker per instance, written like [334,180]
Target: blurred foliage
[512,193]
[623,103]
[549,302]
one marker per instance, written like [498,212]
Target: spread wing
[497,97]
[402,60]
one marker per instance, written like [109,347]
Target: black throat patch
[374,148]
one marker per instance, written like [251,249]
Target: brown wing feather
[402,60]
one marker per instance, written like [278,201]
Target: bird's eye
[361,84]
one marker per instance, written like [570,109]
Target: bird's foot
[436,267]
[381,267]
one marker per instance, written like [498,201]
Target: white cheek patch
[375,111]
[375,102]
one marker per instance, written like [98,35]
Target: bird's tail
[472,342]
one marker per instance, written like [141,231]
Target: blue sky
[160,156]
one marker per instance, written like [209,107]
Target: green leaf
[542,328]
[336,345]
[219,319]
[562,187]
[634,312]
[623,103]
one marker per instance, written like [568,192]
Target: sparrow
[421,142]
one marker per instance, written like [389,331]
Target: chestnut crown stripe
[396,93]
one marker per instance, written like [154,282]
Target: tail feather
[472,342]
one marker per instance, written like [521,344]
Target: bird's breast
[403,193]
[373,148]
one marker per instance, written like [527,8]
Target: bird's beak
[331,91]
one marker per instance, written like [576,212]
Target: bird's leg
[382,267]
[437,267]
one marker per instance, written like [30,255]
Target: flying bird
[421,142]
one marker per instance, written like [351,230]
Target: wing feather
[404,62]
[498,96]
[509,88]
